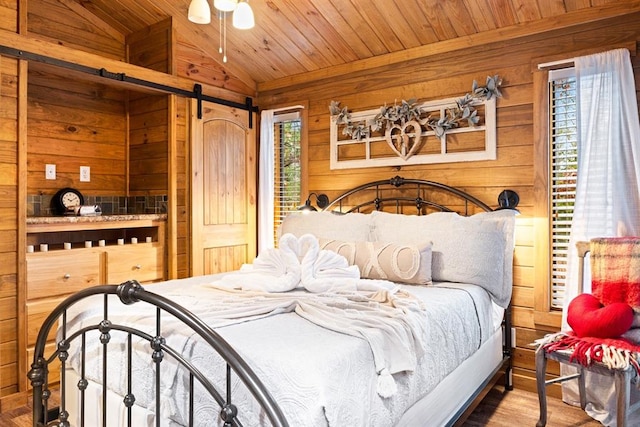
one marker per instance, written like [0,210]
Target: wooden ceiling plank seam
[461,20]
[119,26]
[512,33]
[363,31]
[482,17]
[286,36]
[125,23]
[573,5]
[308,31]
[438,20]
[96,21]
[549,8]
[527,10]
[251,44]
[334,29]
[397,22]
[342,27]
[137,14]
[417,21]
[376,22]
[280,18]
[503,12]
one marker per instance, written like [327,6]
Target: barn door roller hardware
[122,77]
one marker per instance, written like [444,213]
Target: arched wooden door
[223,189]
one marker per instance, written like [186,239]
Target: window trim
[543,316]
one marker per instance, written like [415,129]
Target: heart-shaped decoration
[589,318]
[404,139]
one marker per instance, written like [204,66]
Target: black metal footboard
[129,293]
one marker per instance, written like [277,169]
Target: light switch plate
[85,174]
[50,171]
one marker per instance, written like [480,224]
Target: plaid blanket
[615,277]
[615,270]
[613,353]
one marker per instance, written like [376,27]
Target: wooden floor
[520,408]
[498,409]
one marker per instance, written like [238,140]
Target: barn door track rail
[122,77]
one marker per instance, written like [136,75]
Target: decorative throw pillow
[387,261]
[328,225]
[477,249]
[589,318]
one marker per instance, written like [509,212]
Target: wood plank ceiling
[292,37]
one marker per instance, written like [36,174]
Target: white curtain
[607,200]
[266,181]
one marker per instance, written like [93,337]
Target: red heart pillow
[588,318]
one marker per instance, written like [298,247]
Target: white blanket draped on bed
[318,376]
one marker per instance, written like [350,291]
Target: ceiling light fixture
[243,19]
[225,5]
[243,16]
[199,12]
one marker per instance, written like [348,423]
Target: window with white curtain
[287,168]
[563,144]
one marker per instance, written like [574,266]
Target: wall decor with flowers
[410,133]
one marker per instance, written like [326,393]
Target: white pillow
[328,225]
[387,261]
[477,249]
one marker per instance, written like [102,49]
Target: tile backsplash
[40,205]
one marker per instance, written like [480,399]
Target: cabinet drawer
[62,272]
[37,312]
[142,262]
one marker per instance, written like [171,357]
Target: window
[287,176]
[563,170]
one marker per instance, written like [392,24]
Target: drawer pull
[67,276]
[138,267]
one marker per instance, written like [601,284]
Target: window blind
[563,145]
[287,176]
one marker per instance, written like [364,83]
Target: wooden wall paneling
[149,121]
[151,46]
[73,126]
[23,106]
[74,27]
[12,157]
[8,18]
[171,261]
[182,190]
[148,157]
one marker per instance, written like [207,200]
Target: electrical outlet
[85,174]
[50,171]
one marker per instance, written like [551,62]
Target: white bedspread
[318,376]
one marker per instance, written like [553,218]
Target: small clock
[65,199]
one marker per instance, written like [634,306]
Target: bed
[394,317]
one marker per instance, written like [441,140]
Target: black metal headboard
[398,193]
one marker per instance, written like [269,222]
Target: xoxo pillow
[405,263]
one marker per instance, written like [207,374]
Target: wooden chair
[622,377]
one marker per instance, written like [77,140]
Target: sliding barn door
[223,175]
